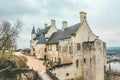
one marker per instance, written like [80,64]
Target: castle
[70,53]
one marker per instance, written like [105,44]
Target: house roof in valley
[67,33]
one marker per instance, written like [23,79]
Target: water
[115,66]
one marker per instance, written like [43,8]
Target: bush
[8,60]
[17,74]
[14,68]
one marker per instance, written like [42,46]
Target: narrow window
[50,47]
[104,68]
[90,60]
[52,59]
[60,48]
[54,74]
[57,48]
[67,74]
[84,60]
[45,50]
[55,59]
[78,46]
[33,49]
[59,62]
[70,50]
[77,63]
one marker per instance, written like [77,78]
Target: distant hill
[113,48]
[113,51]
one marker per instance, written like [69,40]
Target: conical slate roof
[33,30]
[42,39]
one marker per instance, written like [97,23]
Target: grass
[13,67]
[20,63]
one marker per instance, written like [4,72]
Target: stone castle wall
[112,76]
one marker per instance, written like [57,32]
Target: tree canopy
[9,33]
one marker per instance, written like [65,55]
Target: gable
[50,31]
[84,33]
[67,33]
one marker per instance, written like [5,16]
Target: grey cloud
[16,7]
[56,7]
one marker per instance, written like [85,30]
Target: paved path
[36,65]
[33,63]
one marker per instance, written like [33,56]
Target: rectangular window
[57,48]
[50,47]
[84,60]
[45,50]
[78,47]
[70,50]
[77,63]
[33,49]
[47,47]
[60,48]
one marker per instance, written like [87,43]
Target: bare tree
[8,34]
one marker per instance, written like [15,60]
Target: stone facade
[72,53]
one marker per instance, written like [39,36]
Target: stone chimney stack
[53,23]
[83,16]
[64,25]
[45,25]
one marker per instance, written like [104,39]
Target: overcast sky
[103,16]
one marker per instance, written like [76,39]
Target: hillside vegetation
[14,68]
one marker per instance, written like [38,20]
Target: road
[33,63]
[36,65]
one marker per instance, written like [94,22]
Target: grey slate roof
[42,39]
[33,30]
[67,33]
[44,31]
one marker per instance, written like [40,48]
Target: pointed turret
[33,34]
[33,30]
[42,39]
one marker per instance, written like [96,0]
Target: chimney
[45,25]
[64,25]
[53,23]
[83,16]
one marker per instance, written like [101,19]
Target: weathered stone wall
[52,52]
[40,51]
[52,29]
[32,47]
[93,56]
[112,76]
[68,71]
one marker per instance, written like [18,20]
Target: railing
[53,77]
